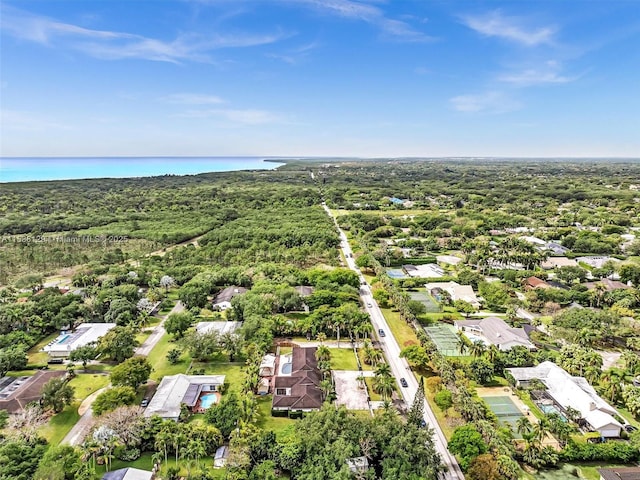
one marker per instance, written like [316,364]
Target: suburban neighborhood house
[17,392]
[575,392]
[220,327]
[197,392]
[532,283]
[619,473]
[455,291]
[557,262]
[222,301]
[296,385]
[86,333]
[607,285]
[129,473]
[494,331]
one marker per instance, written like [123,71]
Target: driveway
[144,349]
[348,389]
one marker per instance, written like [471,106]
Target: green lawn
[158,358]
[59,425]
[145,463]
[364,365]
[85,384]
[403,333]
[282,426]
[375,397]
[343,359]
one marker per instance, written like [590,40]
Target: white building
[268,365]
[174,390]
[86,333]
[220,327]
[575,392]
[456,291]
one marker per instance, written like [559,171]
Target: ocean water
[29,169]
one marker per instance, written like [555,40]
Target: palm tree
[384,385]
[492,353]
[477,348]
[323,353]
[327,387]
[523,426]
[382,370]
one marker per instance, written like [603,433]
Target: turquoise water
[29,169]
[63,338]
[207,400]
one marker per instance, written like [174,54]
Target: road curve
[399,366]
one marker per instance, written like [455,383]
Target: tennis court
[445,338]
[426,300]
[505,410]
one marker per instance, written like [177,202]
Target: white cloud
[121,45]
[369,14]
[29,121]
[495,24]
[236,116]
[487,102]
[547,74]
[192,99]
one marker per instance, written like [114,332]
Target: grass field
[158,358]
[403,333]
[343,359]
[233,372]
[59,425]
[85,384]
[372,395]
[36,357]
[364,365]
[282,426]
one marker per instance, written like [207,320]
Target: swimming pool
[549,409]
[63,338]
[286,368]
[207,400]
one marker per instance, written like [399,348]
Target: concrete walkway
[158,332]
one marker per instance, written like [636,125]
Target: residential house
[128,473]
[429,270]
[220,327]
[448,259]
[222,301]
[176,390]
[268,365]
[297,384]
[619,473]
[533,283]
[597,261]
[608,285]
[455,291]
[85,334]
[558,262]
[358,464]
[567,391]
[17,392]
[304,290]
[494,331]
[556,248]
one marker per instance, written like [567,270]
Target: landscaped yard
[373,396]
[85,384]
[234,372]
[158,358]
[403,333]
[343,359]
[364,365]
[36,357]
[282,426]
[59,425]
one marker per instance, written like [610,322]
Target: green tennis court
[505,410]
[445,338]
[430,304]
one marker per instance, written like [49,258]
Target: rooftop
[85,333]
[497,331]
[220,327]
[174,390]
[128,473]
[622,473]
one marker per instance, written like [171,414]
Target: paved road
[399,366]
[81,428]
[158,332]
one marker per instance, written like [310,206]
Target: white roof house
[494,331]
[557,262]
[575,392]
[86,333]
[456,291]
[128,473]
[597,261]
[268,365]
[174,390]
[429,270]
[220,327]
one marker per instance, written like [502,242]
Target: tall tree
[56,394]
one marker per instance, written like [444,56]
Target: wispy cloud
[296,55]
[112,45]
[192,99]
[368,13]
[488,102]
[236,116]
[495,24]
[547,74]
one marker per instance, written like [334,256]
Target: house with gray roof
[176,390]
[128,473]
[222,301]
[494,331]
[567,391]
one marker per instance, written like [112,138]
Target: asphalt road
[399,366]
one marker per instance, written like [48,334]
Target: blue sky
[320,77]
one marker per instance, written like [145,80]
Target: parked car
[403,382]
[369,305]
[630,428]
[144,402]
[381,333]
